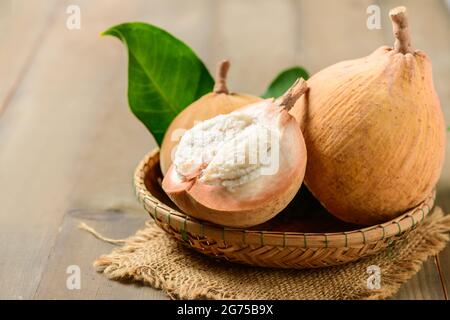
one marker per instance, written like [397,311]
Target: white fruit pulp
[228,150]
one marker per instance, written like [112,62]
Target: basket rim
[183,224]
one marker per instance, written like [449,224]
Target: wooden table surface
[69,144]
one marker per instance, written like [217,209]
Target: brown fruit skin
[375,135]
[208,106]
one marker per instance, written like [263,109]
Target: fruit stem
[401,32]
[291,96]
[221,77]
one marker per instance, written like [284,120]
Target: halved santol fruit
[220,101]
[374,131]
[243,168]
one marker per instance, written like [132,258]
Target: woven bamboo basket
[304,235]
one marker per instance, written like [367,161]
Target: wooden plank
[77,247]
[23,26]
[45,131]
[257,38]
[444,256]
[102,191]
[443,273]
[425,285]
[332,31]
[263,39]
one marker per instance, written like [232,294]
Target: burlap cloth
[155,259]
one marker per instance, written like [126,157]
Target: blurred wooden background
[69,145]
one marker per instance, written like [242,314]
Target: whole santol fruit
[243,168]
[374,131]
[220,101]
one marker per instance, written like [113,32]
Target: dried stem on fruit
[291,96]
[401,30]
[221,77]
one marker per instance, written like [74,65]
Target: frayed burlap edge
[428,239]
[435,234]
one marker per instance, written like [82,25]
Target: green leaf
[283,81]
[164,75]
